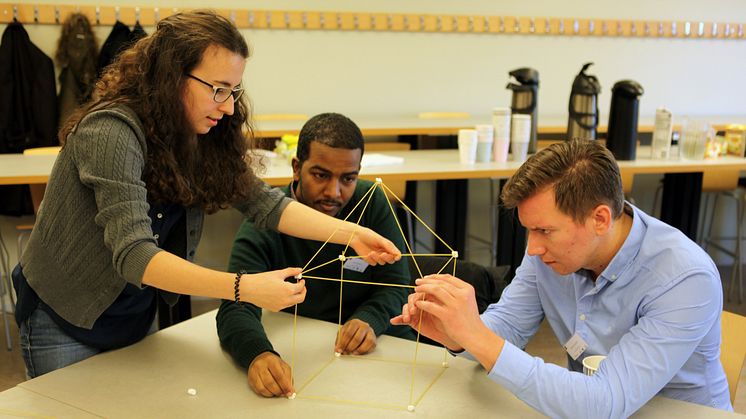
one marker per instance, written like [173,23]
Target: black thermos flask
[583,106]
[525,98]
[622,134]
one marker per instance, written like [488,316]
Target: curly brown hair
[209,171]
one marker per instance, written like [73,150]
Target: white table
[151,379]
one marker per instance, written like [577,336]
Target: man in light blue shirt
[610,280]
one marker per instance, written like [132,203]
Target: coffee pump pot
[583,106]
[525,91]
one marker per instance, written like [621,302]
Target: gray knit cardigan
[92,234]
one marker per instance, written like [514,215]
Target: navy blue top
[129,317]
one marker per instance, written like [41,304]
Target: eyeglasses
[220,94]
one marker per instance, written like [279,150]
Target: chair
[723,190]
[398,187]
[732,348]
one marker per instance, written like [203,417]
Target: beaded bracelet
[236,284]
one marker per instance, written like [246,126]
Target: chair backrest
[732,348]
[37,191]
[398,187]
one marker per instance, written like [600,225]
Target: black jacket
[120,38]
[28,106]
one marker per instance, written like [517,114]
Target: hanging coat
[77,57]
[120,38]
[28,107]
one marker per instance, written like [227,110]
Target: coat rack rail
[46,14]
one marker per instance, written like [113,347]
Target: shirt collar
[626,255]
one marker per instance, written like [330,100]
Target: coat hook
[547,25]
[674,29]
[137,15]
[575,27]
[501,26]
[287,20]
[268,18]
[322,20]
[517,25]
[406,23]
[422,23]
[304,20]
[251,19]
[15,12]
[486,24]
[660,28]
[438,23]
[591,26]
[687,29]
[633,28]
[701,29]
[356,21]
[605,28]
[233,17]
[36,14]
[647,29]
[339,20]
[471,23]
[98,15]
[714,32]
[57,14]
[116,12]
[727,30]
[531,25]
[156,14]
[619,29]
[454,23]
[740,30]
[562,26]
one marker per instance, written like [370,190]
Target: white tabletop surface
[151,379]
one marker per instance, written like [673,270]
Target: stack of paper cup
[501,124]
[520,134]
[484,142]
[467,146]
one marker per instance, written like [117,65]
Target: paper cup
[484,143]
[502,145]
[520,134]
[592,363]
[467,146]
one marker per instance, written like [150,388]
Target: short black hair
[331,129]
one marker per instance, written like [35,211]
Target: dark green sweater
[239,326]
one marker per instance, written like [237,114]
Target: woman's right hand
[270,290]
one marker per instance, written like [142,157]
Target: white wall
[378,73]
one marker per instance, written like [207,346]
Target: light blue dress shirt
[655,311]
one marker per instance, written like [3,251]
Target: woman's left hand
[374,248]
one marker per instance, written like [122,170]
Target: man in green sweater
[325,177]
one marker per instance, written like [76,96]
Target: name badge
[575,346]
[357,265]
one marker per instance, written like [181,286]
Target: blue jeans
[46,347]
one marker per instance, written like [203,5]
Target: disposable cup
[484,142]
[520,134]
[501,148]
[467,146]
[592,363]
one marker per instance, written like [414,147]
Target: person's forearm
[485,346]
[305,222]
[171,273]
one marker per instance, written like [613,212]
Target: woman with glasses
[162,142]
